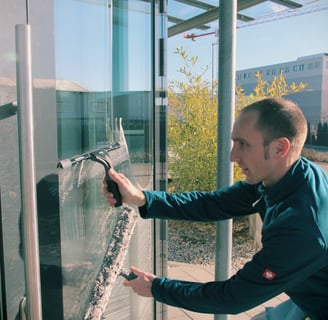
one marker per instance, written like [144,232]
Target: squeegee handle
[113,188]
[128,275]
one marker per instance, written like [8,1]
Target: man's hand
[130,194]
[142,284]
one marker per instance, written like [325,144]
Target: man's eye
[242,144]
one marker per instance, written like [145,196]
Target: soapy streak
[112,263]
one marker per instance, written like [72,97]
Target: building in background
[312,70]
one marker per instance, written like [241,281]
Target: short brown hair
[278,117]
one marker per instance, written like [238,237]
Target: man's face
[249,153]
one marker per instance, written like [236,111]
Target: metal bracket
[8,110]
[22,308]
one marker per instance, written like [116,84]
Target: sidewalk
[184,271]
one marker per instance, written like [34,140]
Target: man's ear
[282,146]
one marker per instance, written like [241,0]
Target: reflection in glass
[103,72]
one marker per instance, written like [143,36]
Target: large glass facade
[93,69]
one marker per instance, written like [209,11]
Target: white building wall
[312,70]
[324,105]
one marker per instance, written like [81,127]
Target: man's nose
[233,154]
[234,157]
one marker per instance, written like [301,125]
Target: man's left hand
[142,284]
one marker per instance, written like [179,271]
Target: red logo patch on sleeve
[268,274]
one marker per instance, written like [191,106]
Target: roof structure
[185,15]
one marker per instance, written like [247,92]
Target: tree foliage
[192,123]
[192,126]
[264,89]
[322,134]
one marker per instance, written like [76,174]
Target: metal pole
[27,171]
[226,101]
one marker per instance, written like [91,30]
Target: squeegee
[101,156]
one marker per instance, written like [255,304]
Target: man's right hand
[130,194]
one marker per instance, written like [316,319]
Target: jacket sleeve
[224,203]
[279,266]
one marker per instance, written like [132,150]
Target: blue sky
[258,44]
[265,43]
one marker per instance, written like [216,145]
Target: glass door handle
[27,171]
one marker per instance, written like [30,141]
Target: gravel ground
[194,242]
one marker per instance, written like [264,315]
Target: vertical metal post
[3,298]
[27,171]
[160,134]
[226,77]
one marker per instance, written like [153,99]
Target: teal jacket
[294,254]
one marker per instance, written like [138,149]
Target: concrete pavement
[198,273]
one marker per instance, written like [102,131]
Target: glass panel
[132,81]
[78,96]
[83,108]
[10,212]
[14,12]
[90,100]
[132,100]
[12,270]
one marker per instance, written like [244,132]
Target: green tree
[265,89]
[325,134]
[192,126]
[192,123]
[322,134]
[309,135]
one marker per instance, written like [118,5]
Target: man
[291,195]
